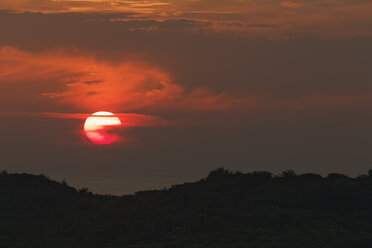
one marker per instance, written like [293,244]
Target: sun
[97,125]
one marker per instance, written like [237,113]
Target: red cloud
[92,84]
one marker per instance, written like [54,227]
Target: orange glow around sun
[97,125]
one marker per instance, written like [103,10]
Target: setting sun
[96,126]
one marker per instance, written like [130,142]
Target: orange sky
[250,85]
[88,83]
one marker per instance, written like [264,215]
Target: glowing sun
[97,125]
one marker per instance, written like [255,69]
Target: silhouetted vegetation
[226,209]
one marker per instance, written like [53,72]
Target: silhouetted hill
[223,210]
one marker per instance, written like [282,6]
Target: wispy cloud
[128,119]
[291,18]
[123,85]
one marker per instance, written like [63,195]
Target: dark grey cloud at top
[293,68]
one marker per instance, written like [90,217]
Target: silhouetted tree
[219,173]
[288,173]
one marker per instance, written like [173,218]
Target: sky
[249,85]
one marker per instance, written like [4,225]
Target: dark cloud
[281,68]
[93,82]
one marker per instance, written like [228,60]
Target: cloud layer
[275,19]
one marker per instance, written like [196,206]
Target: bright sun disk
[96,126]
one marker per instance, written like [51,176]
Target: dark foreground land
[224,210]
